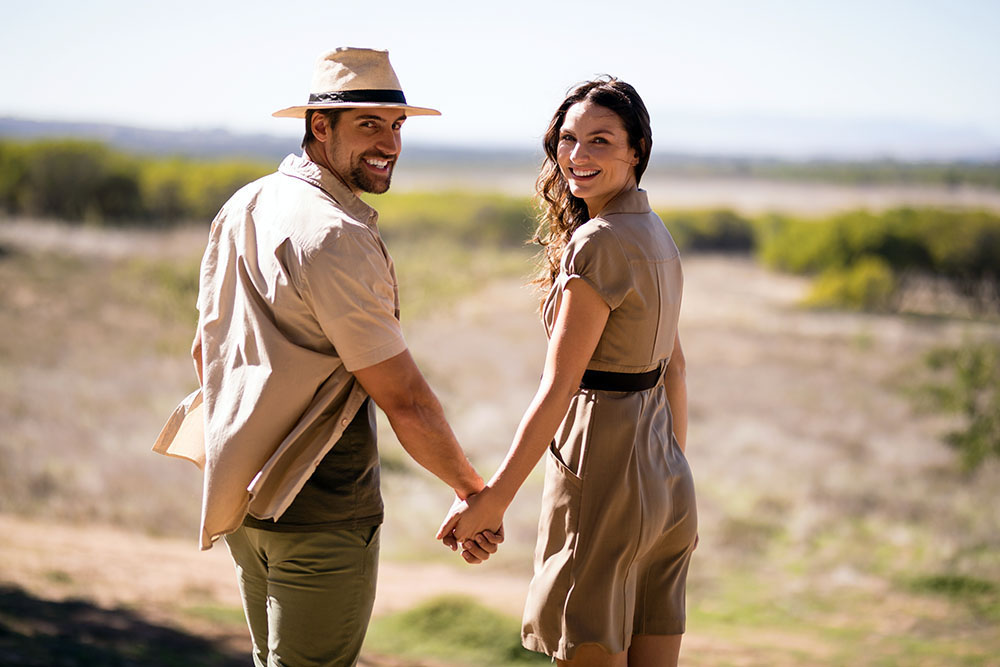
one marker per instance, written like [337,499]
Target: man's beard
[365,182]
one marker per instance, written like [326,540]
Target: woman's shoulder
[595,230]
[594,246]
[640,236]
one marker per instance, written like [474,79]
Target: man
[298,331]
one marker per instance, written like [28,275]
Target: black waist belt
[608,381]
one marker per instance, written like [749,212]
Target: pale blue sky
[497,70]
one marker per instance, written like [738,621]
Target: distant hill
[213,143]
[980,170]
[220,143]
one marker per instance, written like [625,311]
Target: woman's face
[594,155]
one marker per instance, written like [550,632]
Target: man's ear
[320,126]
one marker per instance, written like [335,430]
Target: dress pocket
[560,512]
[561,466]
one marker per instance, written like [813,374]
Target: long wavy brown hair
[560,212]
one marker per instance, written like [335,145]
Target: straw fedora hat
[354,78]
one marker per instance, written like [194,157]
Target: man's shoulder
[246,196]
[301,204]
[316,222]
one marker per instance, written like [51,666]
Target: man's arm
[399,388]
[199,366]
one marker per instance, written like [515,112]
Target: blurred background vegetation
[94,355]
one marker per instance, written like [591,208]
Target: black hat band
[355,96]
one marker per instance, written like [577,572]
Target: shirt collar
[301,167]
[629,201]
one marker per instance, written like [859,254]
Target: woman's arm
[677,395]
[578,327]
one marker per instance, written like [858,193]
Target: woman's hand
[481,547]
[467,518]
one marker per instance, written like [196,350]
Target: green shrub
[477,218]
[953,585]
[868,284]
[455,628]
[718,230]
[799,246]
[980,595]
[967,384]
[961,247]
[86,181]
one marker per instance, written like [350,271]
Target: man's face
[363,147]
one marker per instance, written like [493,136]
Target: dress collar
[629,201]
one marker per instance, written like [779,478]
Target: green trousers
[307,596]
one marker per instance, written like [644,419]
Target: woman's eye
[566,137]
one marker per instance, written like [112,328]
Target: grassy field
[836,528]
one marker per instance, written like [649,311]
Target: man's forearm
[424,433]
[400,390]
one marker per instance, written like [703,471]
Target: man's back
[295,293]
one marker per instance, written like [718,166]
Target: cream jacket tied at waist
[296,291]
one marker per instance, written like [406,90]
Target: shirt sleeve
[353,296]
[595,255]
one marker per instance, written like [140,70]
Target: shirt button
[344,422]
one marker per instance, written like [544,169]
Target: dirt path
[169,581]
[113,567]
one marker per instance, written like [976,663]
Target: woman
[618,521]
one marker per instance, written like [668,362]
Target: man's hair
[331,116]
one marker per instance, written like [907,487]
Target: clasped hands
[475,524]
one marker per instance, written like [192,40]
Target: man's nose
[389,142]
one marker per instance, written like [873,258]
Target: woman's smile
[594,155]
[584,173]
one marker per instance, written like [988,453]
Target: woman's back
[629,257]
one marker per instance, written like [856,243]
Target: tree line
[86,181]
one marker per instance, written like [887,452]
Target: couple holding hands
[299,337]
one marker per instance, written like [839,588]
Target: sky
[754,75]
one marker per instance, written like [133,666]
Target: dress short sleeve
[595,255]
[353,297]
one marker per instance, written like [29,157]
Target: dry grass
[835,526]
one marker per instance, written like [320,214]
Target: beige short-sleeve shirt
[297,290]
[630,259]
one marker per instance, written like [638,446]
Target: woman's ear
[637,153]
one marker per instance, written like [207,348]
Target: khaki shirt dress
[618,520]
